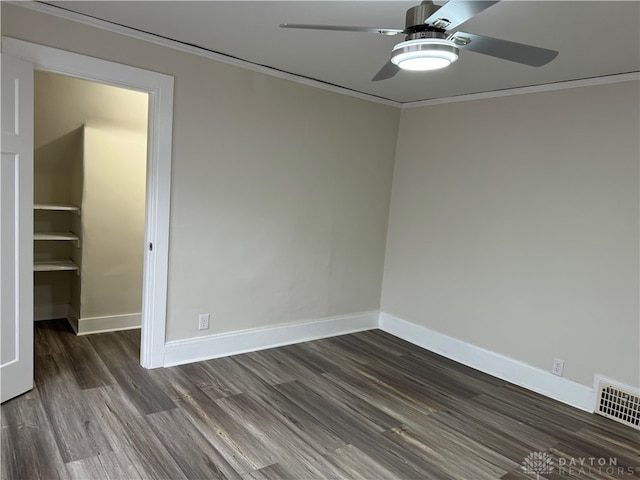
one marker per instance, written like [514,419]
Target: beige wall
[280,192]
[514,227]
[90,151]
[113,208]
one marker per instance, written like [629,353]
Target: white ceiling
[594,38]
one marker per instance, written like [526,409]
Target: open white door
[16,229]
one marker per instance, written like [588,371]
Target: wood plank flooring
[363,406]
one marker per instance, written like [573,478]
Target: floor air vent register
[618,404]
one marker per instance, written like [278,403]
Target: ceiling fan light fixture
[424,54]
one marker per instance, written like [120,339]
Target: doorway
[159,88]
[90,143]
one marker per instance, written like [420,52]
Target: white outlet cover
[557,367]
[203,321]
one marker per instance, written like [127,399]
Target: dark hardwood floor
[362,406]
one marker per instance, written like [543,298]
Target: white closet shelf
[59,207]
[54,266]
[56,236]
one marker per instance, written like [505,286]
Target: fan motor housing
[427,34]
[417,15]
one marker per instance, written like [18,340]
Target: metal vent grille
[619,404]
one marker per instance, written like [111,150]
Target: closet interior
[89,202]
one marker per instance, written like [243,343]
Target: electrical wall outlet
[557,367]
[203,321]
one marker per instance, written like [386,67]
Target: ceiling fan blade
[512,51]
[344,28]
[456,12]
[387,71]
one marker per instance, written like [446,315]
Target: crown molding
[547,87]
[201,52]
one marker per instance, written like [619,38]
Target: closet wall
[90,151]
[113,206]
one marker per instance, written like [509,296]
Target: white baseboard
[48,311]
[495,364]
[86,326]
[179,352]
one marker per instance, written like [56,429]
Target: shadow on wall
[58,169]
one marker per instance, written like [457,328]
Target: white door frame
[160,131]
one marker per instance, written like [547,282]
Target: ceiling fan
[429,45]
